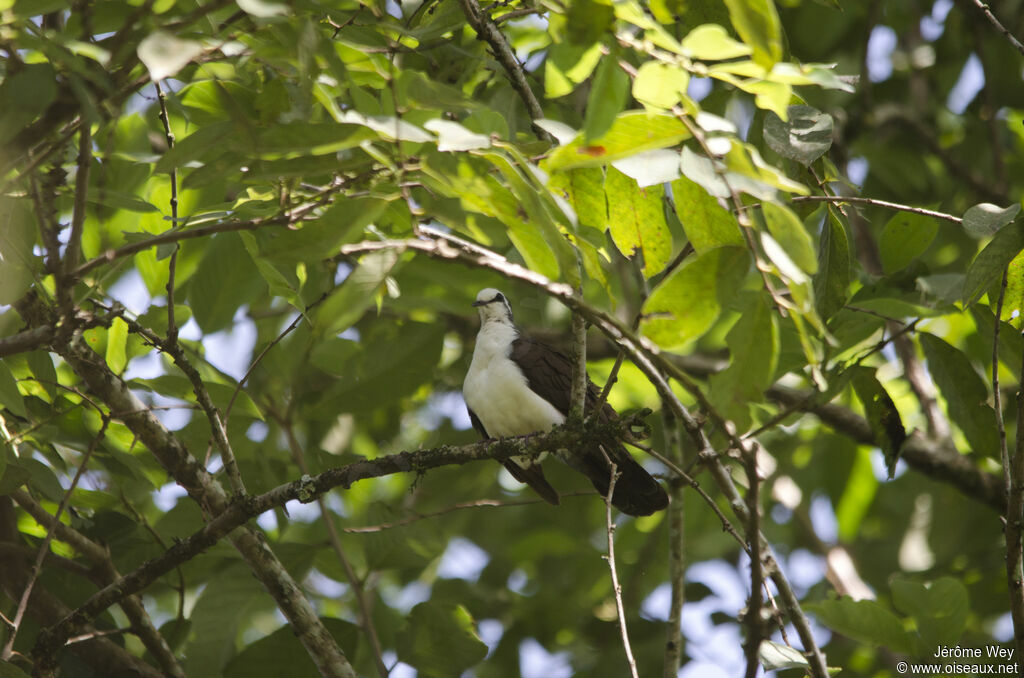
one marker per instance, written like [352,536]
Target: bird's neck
[494,341]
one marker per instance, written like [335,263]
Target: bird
[516,385]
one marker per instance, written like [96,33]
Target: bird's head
[493,306]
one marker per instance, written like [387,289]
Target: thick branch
[29,340]
[928,457]
[307,489]
[202,487]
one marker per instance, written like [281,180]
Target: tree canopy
[238,246]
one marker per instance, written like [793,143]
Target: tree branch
[307,489]
[202,487]
[999,26]
[489,32]
[613,473]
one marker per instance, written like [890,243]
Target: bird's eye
[500,297]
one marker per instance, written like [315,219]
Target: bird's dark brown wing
[531,475]
[548,372]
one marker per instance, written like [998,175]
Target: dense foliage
[238,247]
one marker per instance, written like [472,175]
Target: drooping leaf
[10,397]
[685,304]
[753,354]
[833,276]
[905,237]
[787,229]
[965,393]
[636,217]
[757,22]
[348,303]
[987,268]
[117,337]
[608,95]
[882,415]
[225,281]
[583,188]
[805,137]
[706,222]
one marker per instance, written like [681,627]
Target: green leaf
[865,621]
[660,86]
[608,95]
[440,640]
[117,337]
[987,268]
[347,304]
[636,217]
[787,230]
[9,670]
[583,188]
[42,368]
[905,237]
[10,396]
[451,136]
[225,281]
[17,238]
[965,393]
[805,137]
[25,94]
[685,304]
[940,609]
[228,600]
[753,355]
[712,42]
[1013,297]
[567,66]
[984,219]
[706,222]
[881,413]
[631,133]
[281,653]
[859,492]
[757,23]
[833,276]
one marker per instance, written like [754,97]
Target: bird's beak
[480,303]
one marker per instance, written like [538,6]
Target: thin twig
[489,32]
[999,27]
[1014,517]
[578,392]
[613,473]
[172,325]
[1004,453]
[840,199]
[44,548]
[74,250]
[753,615]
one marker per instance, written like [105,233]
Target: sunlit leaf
[706,222]
[636,217]
[988,266]
[685,304]
[757,22]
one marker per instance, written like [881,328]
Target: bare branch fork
[613,477]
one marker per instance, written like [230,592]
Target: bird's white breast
[496,390]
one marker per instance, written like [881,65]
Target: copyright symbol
[901,667]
